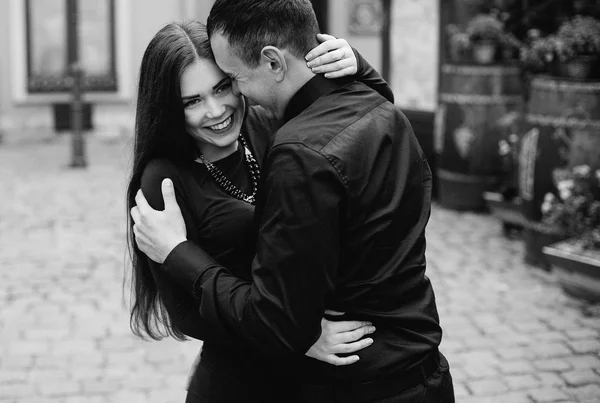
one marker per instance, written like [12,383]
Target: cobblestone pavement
[510,333]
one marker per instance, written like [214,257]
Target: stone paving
[510,333]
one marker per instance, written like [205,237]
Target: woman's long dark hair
[160,132]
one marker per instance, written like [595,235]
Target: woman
[192,128]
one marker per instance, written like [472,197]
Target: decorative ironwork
[527,157]
[561,121]
[471,70]
[561,85]
[475,99]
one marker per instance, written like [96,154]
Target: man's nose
[235,88]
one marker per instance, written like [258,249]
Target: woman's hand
[340,337]
[333,56]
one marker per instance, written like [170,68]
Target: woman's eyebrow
[190,97]
[220,83]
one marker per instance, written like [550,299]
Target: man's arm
[296,262]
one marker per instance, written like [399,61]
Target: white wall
[414,47]
[368,45]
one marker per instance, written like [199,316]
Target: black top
[342,209]
[222,224]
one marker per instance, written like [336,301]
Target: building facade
[113,34]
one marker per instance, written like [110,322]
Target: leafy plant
[574,209]
[540,53]
[459,43]
[485,27]
[511,45]
[579,36]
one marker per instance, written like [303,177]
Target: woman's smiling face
[213,113]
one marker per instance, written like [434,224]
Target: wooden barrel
[564,117]
[564,130]
[473,100]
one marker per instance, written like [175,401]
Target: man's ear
[274,59]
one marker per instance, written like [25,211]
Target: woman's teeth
[222,125]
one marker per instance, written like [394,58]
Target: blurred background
[503,95]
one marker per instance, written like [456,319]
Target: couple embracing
[278,212]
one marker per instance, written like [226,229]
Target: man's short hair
[250,25]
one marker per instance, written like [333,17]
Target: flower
[565,184]
[565,193]
[582,170]
[503,147]
[576,212]
[546,206]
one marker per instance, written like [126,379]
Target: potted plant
[510,46]
[575,212]
[485,33]
[539,54]
[578,46]
[459,44]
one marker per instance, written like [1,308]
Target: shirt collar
[310,92]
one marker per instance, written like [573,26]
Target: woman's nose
[215,108]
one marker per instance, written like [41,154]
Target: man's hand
[157,233]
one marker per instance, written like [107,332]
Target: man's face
[256,84]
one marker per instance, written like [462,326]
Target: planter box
[464,192]
[578,271]
[507,211]
[535,240]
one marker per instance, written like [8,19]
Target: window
[58,32]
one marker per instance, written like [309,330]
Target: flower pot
[458,54]
[577,270]
[484,52]
[578,68]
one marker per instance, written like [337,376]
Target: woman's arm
[181,308]
[340,337]
[334,58]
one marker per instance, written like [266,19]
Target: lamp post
[75,78]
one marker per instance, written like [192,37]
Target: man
[341,213]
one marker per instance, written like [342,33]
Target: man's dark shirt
[341,213]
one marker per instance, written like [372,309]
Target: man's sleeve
[296,262]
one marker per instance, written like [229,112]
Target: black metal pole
[386,48]
[79,159]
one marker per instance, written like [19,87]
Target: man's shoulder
[351,106]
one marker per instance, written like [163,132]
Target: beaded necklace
[226,184]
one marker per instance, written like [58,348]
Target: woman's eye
[191,102]
[225,87]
